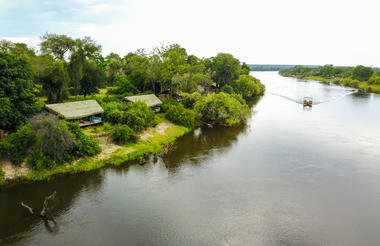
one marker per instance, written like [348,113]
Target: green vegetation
[51,142]
[178,114]
[66,69]
[16,92]
[136,115]
[123,134]
[154,144]
[2,174]
[360,77]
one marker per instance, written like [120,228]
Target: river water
[291,176]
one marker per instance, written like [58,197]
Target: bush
[189,100]
[248,86]
[177,113]
[50,142]
[136,115]
[228,89]
[222,108]
[123,86]
[15,146]
[124,134]
[87,146]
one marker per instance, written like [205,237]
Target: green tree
[362,73]
[248,86]
[83,49]
[244,69]
[92,78]
[226,69]
[16,92]
[54,81]
[56,45]
[222,108]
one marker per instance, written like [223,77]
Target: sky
[257,32]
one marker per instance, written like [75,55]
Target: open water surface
[291,176]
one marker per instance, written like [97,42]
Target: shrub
[136,115]
[248,86]
[177,113]
[87,146]
[228,89]
[189,100]
[15,145]
[123,86]
[50,142]
[222,109]
[124,134]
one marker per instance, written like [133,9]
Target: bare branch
[27,207]
[45,207]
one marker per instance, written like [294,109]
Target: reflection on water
[201,144]
[289,177]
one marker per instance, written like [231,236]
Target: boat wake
[316,100]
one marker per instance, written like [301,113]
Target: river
[291,176]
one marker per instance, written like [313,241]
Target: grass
[2,174]
[155,144]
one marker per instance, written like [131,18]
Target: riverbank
[363,85]
[153,140]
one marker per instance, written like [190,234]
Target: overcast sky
[256,31]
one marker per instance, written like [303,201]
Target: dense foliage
[16,92]
[248,86]
[49,141]
[177,113]
[357,77]
[123,134]
[136,115]
[65,68]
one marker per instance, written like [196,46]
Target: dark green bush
[124,134]
[222,108]
[136,115]
[15,146]
[49,141]
[178,114]
[87,146]
[188,100]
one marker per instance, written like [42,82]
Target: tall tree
[226,69]
[83,49]
[54,80]
[92,78]
[362,73]
[16,92]
[56,45]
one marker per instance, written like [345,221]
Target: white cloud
[257,31]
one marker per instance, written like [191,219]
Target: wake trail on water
[315,99]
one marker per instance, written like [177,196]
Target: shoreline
[340,81]
[153,141]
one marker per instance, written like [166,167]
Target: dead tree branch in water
[45,206]
[27,207]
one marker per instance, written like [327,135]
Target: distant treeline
[366,78]
[273,67]
[276,67]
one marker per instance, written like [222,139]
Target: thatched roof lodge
[151,100]
[85,111]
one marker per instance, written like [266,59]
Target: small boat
[307,101]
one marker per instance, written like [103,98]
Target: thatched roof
[76,110]
[150,99]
